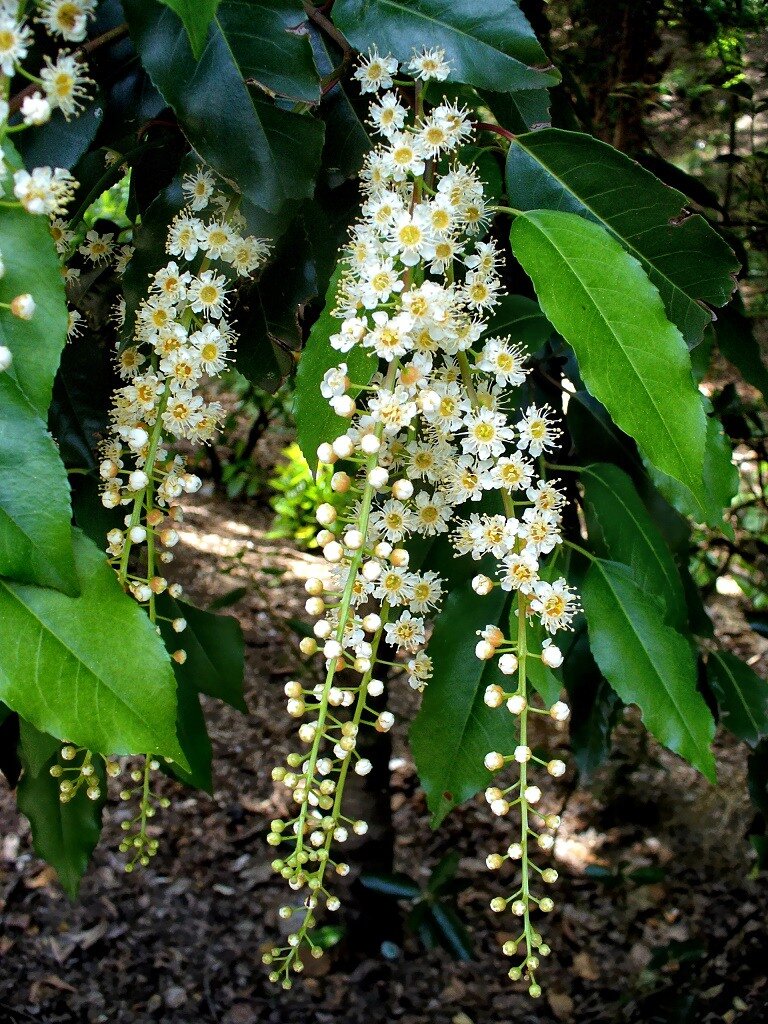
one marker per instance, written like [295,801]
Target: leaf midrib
[638,254]
[589,470]
[689,481]
[473,40]
[45,629]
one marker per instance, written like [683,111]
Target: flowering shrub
[499,385]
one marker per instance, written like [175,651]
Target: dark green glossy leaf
[737,342]
[522,319]
[621,529]
[109,689]
[398,885]
[193,737]
[315,420]
[594,707]
[346,137]
[61,143]
[689,262]
[489,45]
[647,662]
[196,16]
[741,695]
[62,834]
[454,729]
[631,357]
[215,650]
[277,155]
[35,511]
[452,931]
[594,434]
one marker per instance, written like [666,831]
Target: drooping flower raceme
[432,431]
[182,339]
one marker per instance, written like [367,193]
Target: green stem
[138,501]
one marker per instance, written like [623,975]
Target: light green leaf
[277,153]
[631,357]
[720,482]
[89,669]
[454,729]
[647,662]
[316,422]
[197,16]
[489,44]
[621,529]
[31,265]
[35,511]
[741,694]
[686,259]
[62,834]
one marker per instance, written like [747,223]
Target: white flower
[388,115]
[405,156]
[14,42]
[65,83]
[487,433]
[537,431]
[429,64]
[207,294]
[45,191]
[198,188]
[519,571]
[335,381]
[555,603]
[431,514]
[67,18]
[97,248]
[392,521]
[407,632]
[184,236]
[513,472]
[410,237]
[35,109]
[427,592]
[390,337]
[503,359]
[375,72]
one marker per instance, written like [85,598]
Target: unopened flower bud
[378,477]
[482,585]
[551,656]
[402,490]
[560,711]
[343,446]
[325,514]
[493,761]
[23,306]
[508,664]
[484,650]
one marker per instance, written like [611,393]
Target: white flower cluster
[429,433]
[182,339]
[61,85]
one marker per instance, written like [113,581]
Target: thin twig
[488,126]
[327,26]
[88,47]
